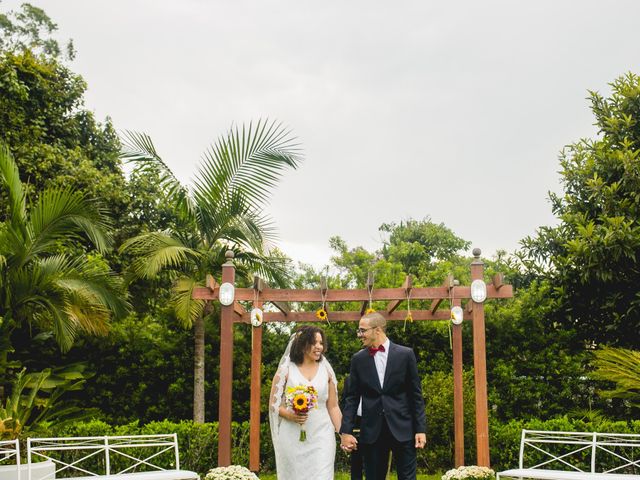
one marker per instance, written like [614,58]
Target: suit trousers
[376,456]
[356,455]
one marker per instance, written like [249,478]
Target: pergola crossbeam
[259,285]
[350,316]
[407,285]
[357,295]
[448,284]
[498,280]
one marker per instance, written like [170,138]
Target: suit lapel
[390,361]
[371,372]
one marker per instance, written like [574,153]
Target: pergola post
[458,398]
[480,367]
[254,413]
[226,368]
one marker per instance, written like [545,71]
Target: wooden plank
[480,369]
[394,304]
[254,404]
[226,370]
[260,285]
[358,295]
[351,316]
[498,280]
[448,283]
[458,394]
[239,309]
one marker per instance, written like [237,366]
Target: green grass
[345,476]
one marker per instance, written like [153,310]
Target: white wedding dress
[315,457]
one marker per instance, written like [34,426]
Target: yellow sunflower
[321,313]
[300,402]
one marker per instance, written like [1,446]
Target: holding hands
[348,442]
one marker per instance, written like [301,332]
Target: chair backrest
[109,455]
[580,451]
[10,454]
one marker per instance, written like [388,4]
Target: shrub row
[199,442]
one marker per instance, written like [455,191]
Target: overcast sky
[409,109]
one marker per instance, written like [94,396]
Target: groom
[385,376]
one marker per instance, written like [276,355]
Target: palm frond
[138,148]
[187,308]
[621,366]
[249,160]
[62,214]
[157,251]
[10,177]
[234,219]
[276,270]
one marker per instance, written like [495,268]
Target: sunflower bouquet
[302,399]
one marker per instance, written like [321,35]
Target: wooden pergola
[261,294]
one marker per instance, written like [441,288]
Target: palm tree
[45,279]
[223,210]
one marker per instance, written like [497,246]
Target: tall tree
[591,257]
[223,210]
[45,280]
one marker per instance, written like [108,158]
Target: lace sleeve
[275,398]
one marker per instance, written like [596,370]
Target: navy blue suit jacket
[400,401]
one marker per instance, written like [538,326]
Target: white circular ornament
[457,315]
[256,317]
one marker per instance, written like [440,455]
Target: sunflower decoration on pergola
[465,303]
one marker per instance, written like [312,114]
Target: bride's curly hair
[304,340]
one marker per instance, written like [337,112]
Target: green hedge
[199,442]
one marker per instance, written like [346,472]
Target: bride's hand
[299,418]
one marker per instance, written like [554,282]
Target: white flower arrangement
[232,472]
[471,472]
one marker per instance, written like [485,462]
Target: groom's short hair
[376,320]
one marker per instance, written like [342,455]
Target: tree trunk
[198,370]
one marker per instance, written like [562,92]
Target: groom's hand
[421,440]
[348,442]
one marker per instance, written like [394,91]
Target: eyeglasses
[361,331]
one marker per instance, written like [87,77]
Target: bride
[304,364]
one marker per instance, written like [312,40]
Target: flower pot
[39,471]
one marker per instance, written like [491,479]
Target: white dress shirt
[380,358]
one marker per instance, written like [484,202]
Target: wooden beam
[393,304]
[211,283]
[358,295]
[260,285]
[448,284]
[351,316]
[239,309]
[458,395]
[498,280]
[254,404]
[469,307]
[226,369]
[480,369]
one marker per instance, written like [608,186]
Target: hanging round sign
[256,317]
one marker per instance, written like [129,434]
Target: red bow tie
[374,350]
